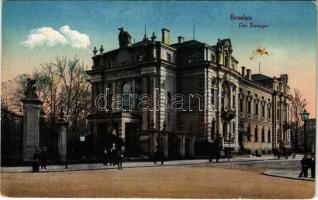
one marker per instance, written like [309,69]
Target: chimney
[243,71]
[165,36]
[249,74]
[180,39]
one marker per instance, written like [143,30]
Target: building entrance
[131,139]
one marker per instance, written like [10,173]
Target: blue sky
[290,37]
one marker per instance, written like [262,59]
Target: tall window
[191,58]
[278,114]
[263,135]
[126,92]
[212,96]
[269,112]
[249,133]
[169,57]
[269,135]
[213,83]
[263,110]
[249,106]
[169,99]
[256,108]
[241,105]
[255,135]
[233,101]
[213,57]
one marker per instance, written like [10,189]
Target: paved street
[176,179]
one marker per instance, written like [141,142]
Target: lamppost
[304,117]
[230,152]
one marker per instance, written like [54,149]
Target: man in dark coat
[113,155]
[106,156]
[210,151]
[42,157]
[36,162]
[120,157]
[304,166]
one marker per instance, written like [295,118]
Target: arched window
[256,134]
[269,111]
[249,133]
[234,97]
[225,96]
[126,93]
[249,106]
[269,135]
[256,108]
[263,135]
[213,89]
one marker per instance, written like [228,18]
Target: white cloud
[76,39]
[44,36]
[47,36]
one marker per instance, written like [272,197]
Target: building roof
[186,44]
[142,43]
[260,77]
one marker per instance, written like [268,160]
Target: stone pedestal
[62,141]
[31,130]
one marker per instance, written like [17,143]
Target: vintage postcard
[158,99]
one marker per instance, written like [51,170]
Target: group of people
[114,157]
[306,163]
[39,160]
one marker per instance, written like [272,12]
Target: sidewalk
[288,173]
[99,166]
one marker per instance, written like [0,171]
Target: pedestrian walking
[36,162]
[304,166]
[113,154]
[158,156]
[42,157]
[210,152]
[106,157]
[120,157]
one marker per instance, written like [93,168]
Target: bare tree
[61,84]
[74,90]
[298,105]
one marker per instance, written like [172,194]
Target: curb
[288,177]
[207,163]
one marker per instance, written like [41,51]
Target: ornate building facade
[196,96]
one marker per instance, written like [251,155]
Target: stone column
[31,127]
[62,140]
[31,120]
[145,118]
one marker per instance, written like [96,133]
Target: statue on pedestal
[30,91]
[124,38]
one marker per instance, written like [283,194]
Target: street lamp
[304,117]
[229,152]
